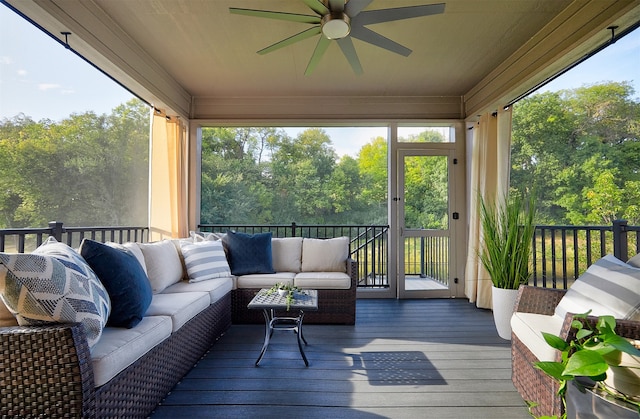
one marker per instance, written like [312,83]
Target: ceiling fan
[340,20]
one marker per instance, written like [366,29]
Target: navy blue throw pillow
[124,279]
[249,253]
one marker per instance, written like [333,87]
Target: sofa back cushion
[608,287]
[328,255]
[287,254]
[163,263]
[123,277]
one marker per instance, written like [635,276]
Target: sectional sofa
[107,330]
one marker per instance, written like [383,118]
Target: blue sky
[43,80]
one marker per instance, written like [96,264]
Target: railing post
[422,259]
[293,229]
[620,240]
[56,230]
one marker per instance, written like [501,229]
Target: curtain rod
[582,59]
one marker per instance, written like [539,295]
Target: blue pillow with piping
[249,253]
[124,279]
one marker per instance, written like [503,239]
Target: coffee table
[270,302]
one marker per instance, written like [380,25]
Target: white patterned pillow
[205,260]
[54,285]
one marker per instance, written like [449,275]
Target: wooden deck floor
[436,358]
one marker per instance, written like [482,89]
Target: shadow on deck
[436,358]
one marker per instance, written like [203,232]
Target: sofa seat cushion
[217,287]
[264,280]
[118,347]
[180,306]
[608,287]
[323,280]
[287,254]
[528,327]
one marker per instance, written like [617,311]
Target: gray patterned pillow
[54,285]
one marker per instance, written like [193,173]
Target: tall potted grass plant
[505,253]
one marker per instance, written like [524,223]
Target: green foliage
[580,150]
[87,169]
[507,240]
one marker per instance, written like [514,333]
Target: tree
[580,150]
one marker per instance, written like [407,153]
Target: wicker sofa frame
[533,384]
[46,371]
[335,306]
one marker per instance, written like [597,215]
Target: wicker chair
[533,384]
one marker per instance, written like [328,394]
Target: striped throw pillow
[608,287]
[205,260]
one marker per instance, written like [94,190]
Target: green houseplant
[505,253]
[285,290]
[592,352]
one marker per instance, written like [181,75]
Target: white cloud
[48,86]
[67,91]
[22,73]
[6,60]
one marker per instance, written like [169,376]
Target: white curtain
[489,178]
[168,217]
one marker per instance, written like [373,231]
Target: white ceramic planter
[503,302]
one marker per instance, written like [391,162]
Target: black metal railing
[563,253]
[24,240]
[560,253]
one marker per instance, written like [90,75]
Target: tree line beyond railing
[560,253]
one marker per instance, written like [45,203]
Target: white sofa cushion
[322,280]
[180,306]
[608,287]
[120,347]
[264,280]
[528,327]
[163,264]
[205,260]
[217,287]
[328,255]
[287,254]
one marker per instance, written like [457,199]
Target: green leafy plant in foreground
[589,354]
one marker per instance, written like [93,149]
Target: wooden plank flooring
[436,358]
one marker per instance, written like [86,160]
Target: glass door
[424,218]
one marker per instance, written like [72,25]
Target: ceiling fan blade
[374,38]
[317,6]
[336,6]
[346,45]
[292,40]
[387,15]
[321,47]
[292,17]
[354,7]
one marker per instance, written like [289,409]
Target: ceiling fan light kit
[340,21]
[336,26]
